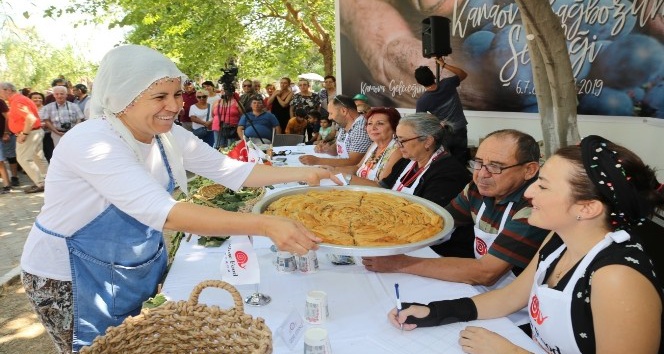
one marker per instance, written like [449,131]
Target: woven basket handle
[237,298]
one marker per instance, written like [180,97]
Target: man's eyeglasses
[200,97]
[402,141]
[492,168]
[336,98]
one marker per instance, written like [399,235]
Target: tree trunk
[552,73]
[314,31]
[327,52]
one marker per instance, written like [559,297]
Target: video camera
[227,80]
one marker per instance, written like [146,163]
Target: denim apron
[116,264]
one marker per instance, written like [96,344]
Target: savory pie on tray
[359,218]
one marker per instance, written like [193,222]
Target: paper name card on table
[292,329]
[240,265]
[254,154]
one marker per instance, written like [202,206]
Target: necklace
[563,268]
[375,157]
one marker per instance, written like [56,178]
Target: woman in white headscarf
[96,251]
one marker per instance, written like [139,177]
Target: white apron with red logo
[365,171]
[342,152]
[483,241]
[550,310]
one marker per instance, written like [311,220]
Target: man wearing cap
[362,103]
[23,120]
[442,100]
[82,99]
[188,100]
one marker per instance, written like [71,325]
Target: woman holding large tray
[96,250]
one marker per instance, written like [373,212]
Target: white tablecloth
[358,299]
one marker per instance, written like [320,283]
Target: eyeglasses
[492,168]
[246,85]
[199,97]
[336,98]
[401,142]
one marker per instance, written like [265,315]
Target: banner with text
[616,51]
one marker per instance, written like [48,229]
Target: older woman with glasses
[383,152]
[425,169]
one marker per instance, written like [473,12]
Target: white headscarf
[124,74]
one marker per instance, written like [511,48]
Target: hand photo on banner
[616,51]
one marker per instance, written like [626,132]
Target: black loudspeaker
[436,37]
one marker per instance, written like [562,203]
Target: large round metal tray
[369,250]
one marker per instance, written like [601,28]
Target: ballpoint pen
[396,289]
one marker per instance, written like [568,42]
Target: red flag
[239,152]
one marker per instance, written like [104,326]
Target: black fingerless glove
[444,312]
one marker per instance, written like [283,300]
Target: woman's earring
[578,218]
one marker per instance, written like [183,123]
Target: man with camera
[61,115]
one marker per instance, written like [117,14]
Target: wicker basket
[188,327]
[209,192]
[249,204]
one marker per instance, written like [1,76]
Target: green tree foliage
[27,61]
[268,39]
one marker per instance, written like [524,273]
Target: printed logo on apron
[342,152]
[484,240]
[535,313]
[480,246]
[364,172]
